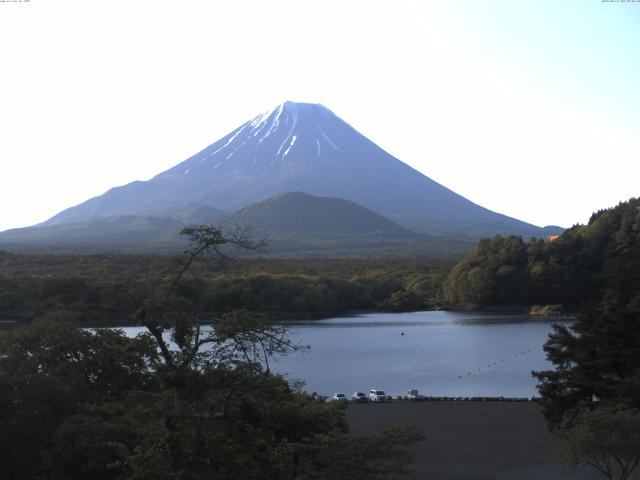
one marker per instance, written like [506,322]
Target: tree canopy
[585,264]
[177,402]
[597,358]
[607,439]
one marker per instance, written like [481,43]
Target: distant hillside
[551,230]
[307,216]
[118,232]
[301,224]
[193,213]
[110,233]
[294,224]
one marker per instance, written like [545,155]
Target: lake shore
[471,440]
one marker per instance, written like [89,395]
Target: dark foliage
[176,402]
[607,439]
[597,359]
[583,265]
[593,268]
[110,288]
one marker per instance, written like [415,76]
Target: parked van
[377,395]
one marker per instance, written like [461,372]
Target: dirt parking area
[472,440]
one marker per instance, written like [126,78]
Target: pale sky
[529,108]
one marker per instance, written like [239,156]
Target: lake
[439,353]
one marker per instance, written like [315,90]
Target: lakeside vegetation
[78,404]
[547,277]
[108,289]
[585,264]
[591,397]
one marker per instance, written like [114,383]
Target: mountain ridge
[302,147]
[297,213]
[293,224]
[295,147]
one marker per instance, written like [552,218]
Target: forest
[591,396]
[174,402]
[178,403]
[585,264]
[108,289]
[578,267]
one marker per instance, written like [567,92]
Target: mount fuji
[297,147]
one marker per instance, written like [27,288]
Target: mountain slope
[306,148]
[302,215]
[106,233]
[136,232]
[294,224]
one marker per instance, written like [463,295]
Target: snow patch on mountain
[293,140]
[335,147]
[233,137]
[323,156]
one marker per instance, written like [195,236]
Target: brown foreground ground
[471,440]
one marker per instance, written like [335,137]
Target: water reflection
[440,353]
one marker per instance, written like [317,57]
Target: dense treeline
[580,266]
[109,288]
[597,359]
[76,404]
[591,397]
[571,270]
[173,403]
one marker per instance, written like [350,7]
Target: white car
[413,395]
[339,397]
[377,395]
[359,397]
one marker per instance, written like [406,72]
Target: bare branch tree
[207,239]
[236,337]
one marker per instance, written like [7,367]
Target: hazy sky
[529,108]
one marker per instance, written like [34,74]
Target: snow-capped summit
[285,116]
[288,132]
[300,147]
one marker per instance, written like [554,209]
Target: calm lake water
[439,353]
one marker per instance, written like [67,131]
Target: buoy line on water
[496,363]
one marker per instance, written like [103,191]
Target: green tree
[584,265]
[605,439]
[50,372]
[179,402]
[597,358]
[495,272]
